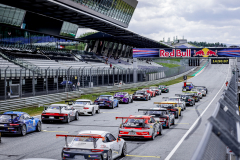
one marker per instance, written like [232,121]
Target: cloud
[205,20]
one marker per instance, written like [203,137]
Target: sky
[196,20]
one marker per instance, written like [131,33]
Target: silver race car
[59,112]
[141,126]
[91,144]
[85,107]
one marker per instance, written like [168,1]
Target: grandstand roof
[63,12]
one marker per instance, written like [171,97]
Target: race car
[85,107]
[140,127]
[188,86]
[14,122]
[141,95]
[180,101]
[187,98]
[163,88]
[171,107]
[199,93]
[202,90]
[160,114]
[158,91]
[59,112]
[203,87]
[151,92]
[123,97]
[93,145]
[107,101]
[194,94]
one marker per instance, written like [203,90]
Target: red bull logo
[175,53]
[205,52]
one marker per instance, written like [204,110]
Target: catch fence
[17,83]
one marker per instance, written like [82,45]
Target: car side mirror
[118,139]
[32,118]
[158,122]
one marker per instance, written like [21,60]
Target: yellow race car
[171,106]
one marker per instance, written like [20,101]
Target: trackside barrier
[221,140]
[51,98]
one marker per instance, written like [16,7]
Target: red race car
[150,91]
[139,126]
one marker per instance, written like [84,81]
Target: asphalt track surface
[45,144]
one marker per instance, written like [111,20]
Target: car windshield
[141,93]
[6,118]
[82,102]
[85,139]
[134,122]
[103,97]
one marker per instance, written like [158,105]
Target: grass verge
[33,111]
[169,65]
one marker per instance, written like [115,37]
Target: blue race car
[15,122]
[188,87]
[106,101]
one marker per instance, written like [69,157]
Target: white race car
[86,107]
[59,112]
[91,144]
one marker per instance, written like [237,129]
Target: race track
[46,145]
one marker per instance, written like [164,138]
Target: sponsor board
[185,52]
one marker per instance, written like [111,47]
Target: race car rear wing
[94,136]
[152,109]
[11,116]
[46,106]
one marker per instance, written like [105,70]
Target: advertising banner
[185,52]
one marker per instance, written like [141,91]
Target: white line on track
[194,124]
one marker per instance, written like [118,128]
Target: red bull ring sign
[186,52]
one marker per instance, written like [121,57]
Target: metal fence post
[83,78]
[67,79]
[20,83]
[118,76]
[103,76]
[126,75]
[108,76]
[46,76]
[57,77]
[97,76]
[129,75]
[5,81]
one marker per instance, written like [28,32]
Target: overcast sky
[196,20]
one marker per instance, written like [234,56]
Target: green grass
[33,111]
[170,59]
[169,65]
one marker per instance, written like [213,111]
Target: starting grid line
[143,156]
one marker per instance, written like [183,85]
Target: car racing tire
[180,114]
[150,98]
[117,104]
[124,150]
[68,119]
[77,116]
[92,112]
[112,107]
[168,126]
[153,136]
[131,100]
[98,111]
[128,101]
[39,127]
[173,122]
[177,116]
[109,155]
[160,131]
[24,130]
